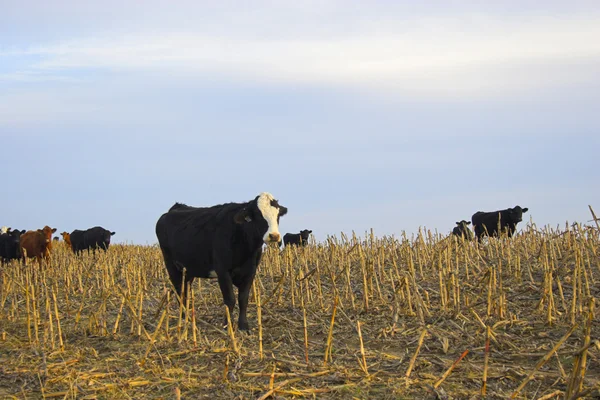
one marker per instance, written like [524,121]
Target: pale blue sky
[354,114]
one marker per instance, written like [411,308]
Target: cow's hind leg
[175,275]
[227,291]
[478,233]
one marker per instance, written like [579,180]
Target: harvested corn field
[362,317]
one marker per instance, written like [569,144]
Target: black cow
[223,240]
[298,239]
[486,223]
[90,239]
[462,229]
[10,245]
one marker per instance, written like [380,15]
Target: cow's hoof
[244,327]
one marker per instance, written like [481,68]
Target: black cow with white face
[223,240]
[462,229]
[486,223]
[10,248]
[297,239]
[90,239]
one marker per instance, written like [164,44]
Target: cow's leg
[175,275]
[226,286]
[244,284]
[477,233]
[511,229]
[187,286]
[243,294]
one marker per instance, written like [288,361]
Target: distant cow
[37,244]
[10,245]
[462,229]
[298,239]
[486,223]
[223,240]
[90,239]
[67,238]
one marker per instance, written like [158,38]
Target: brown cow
[67,238]
[37,243]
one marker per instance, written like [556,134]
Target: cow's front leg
[243,294]
[244,284]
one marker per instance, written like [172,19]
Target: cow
[486,223]
[223,240]
[67,238]
[37,244]
[10,245]
[4,229]
[55,238]
[298,239]
[90,239]
[462,229]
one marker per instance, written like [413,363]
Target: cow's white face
[269,209]
[4,229]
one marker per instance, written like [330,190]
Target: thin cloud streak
[431,56]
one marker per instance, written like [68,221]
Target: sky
[353,114]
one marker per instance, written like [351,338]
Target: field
[420,317]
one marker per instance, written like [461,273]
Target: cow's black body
[10,248]
[90,239]
[225,240]
[486,223]
[298,239]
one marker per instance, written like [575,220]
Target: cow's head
[267,211]
[516,213]
[463,224]
[15,238]
[304,235]
[107,235]
[47,232]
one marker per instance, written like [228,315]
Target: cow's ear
[309,231]
[40,231]
[525,209]
[468,222]
[112,233]
[53,230]
[458,223]
[23,232]
[282,211]
[242,216]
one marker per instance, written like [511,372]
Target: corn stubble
[363,317]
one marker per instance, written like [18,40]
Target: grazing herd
[20,244]
[223,242]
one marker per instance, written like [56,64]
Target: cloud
[443,56]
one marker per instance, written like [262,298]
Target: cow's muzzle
[273,237]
